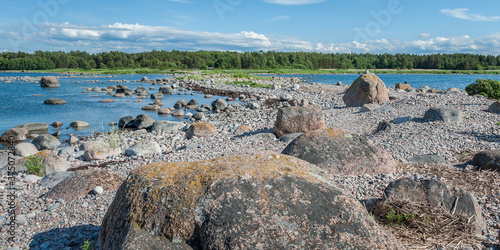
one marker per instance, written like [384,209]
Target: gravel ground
[48,224]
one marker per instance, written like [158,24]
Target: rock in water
[298,120]
[49,82]
[34,127]
[54,101]
[259,201]
[143,121]
[14,134]
[339,152]
[368,88]
[79,124]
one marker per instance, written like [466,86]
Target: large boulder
[201,129]
[180,104]
[54,101]
[443,114]
[487,160]
[298,119]
[81,183]
[339,152]
[368,88]
[49,82]
[143,121]
[167,126]
[14,135]
[143,148]
[495,107]
[25,149]
[437,193]
[46,141]
[34,127]
[259,201]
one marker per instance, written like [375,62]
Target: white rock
[98,190]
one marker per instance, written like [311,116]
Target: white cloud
[277,18]
[461,13]
[294,2]
[424,35]
[137,37]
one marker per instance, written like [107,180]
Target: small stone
[53,207]
[98,190]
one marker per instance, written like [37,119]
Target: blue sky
[373,26]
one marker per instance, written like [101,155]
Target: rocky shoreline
[57,224]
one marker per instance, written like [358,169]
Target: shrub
[112,139]
[87,245]
[34,165]
[489,88]
[399,218]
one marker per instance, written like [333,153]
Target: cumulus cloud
[294,2]
[137,37]
[424,35]
[461,13]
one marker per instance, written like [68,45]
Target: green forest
[46,60]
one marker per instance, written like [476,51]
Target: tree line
[46,60]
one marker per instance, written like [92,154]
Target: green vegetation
[87,245]
[34,165]
[115,62]
[489,88]
[399,218]
[112,139]
[498,123]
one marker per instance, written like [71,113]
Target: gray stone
[199,116]
[167,126]
[98,190]
[25,149]
[51,180]
[402,119]
[54,101]
[253,105]
[383,125]
[79,125]
[167,90]
[495,107]
[437,193]
[34,127]
[157,96]
[143,148]
[487,160]
[290,137]
[443,114]
[31,178]
[178,113]
[143,121]
[369,107]
[66,152]
[53,207]
[219,104]
[14,134]
[86,145]
[46,141]
[427,159]
[126,122]
[180,104]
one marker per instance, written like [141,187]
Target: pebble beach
[57,224]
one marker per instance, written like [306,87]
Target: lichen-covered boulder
[14,135]
[253,201]
[297,119]
[341,153]
[46,141]
[368,88]
[495,107]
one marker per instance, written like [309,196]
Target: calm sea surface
[18,105]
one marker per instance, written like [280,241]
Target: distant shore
[259,71]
